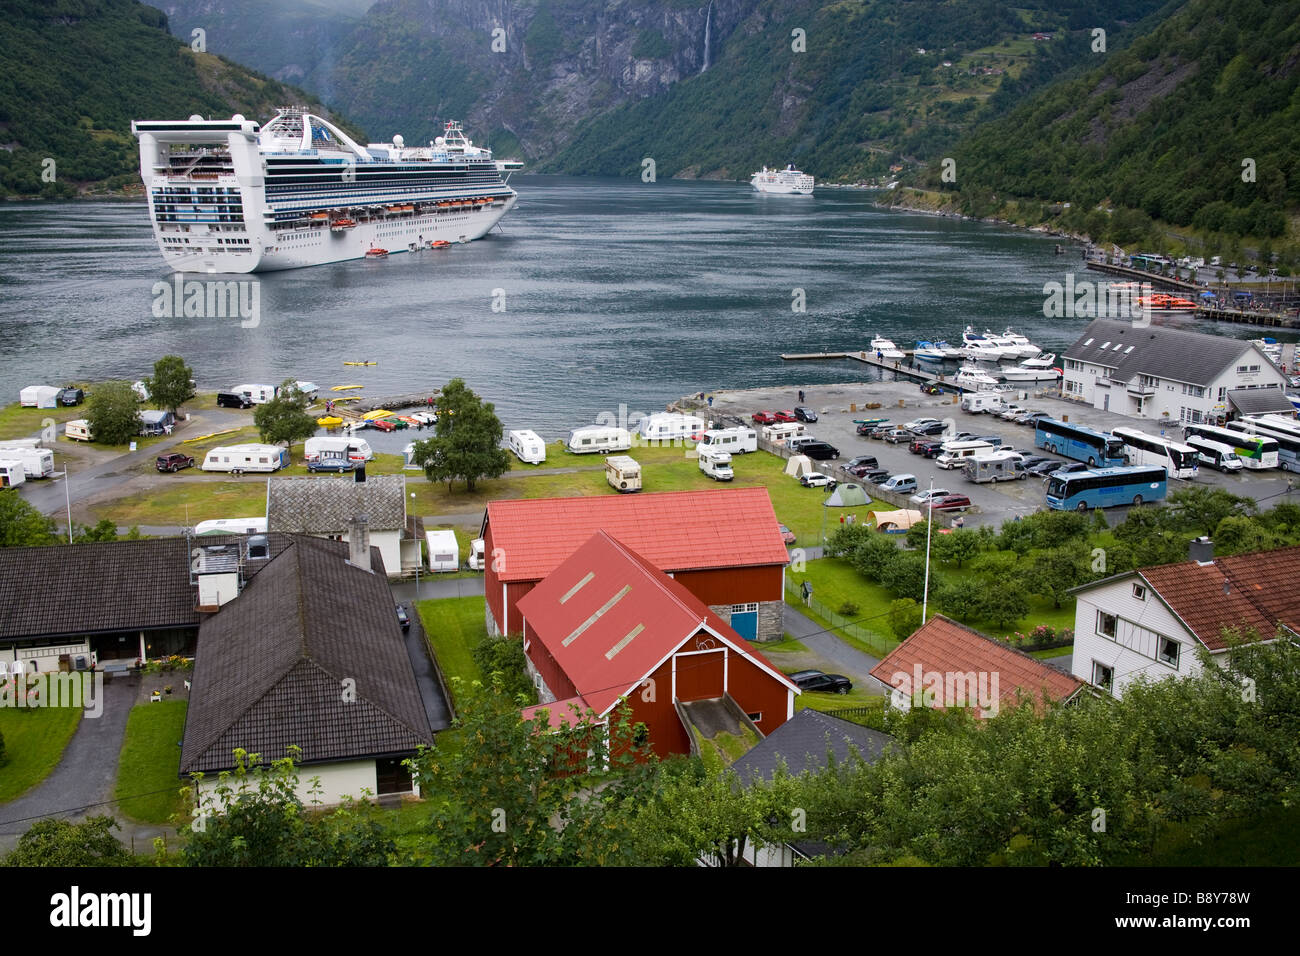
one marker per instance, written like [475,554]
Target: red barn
[724,546]
[607,624]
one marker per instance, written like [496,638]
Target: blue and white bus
[1143,448]
[1287,438]
[1255,451]
[1082,444]
[1106,487]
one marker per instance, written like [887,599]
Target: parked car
[819,681]
[1045,467]
[819,451]
[1070,467]
[174,462]
[784,417]
[916,423]
[815,479]
[70,396]
[896,435]
[914,446]
[1030,418]
[787,535]
[331,464]
[880,431]
[866,430]
[876,476]
[1030,460]
[764,418]
[233,400]
[804,414]
[867,460]
[951,503]
[931,448]
[1008,412]
[902,484]
[921,497]
[403,618]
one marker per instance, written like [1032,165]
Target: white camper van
[11,472]
[667,426]
[444,552]
[257,394]
[734,441]
[355,449]
[981,402]
[78,429]
[230,526]
[598,438]
[623,473]
[527,446]
[783,432]
[238,459]
[717,465]
[1213,453]
[36,462]
[951,453]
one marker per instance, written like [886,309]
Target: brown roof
[943,647]
[273,666]
[1261,593]
[325,505]
[108,586]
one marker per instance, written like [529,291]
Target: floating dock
[888,365]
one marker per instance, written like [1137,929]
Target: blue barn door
[744,620]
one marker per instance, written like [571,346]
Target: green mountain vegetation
[74,73]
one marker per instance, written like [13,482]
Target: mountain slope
[74,73]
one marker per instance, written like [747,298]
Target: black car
[930,449]
[1045,467]
[333,463]
[233,400]
[863,461]
[930,428]
[1030,460]
[819,451]
[876,476]
[402,618]
[1070,468]
[818,681]
[71,396]
[804,414]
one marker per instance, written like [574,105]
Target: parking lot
[902,401]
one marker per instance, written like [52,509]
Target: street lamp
[929,526]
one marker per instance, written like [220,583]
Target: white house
[1151,622]
[1169,374]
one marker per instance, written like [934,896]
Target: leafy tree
[917,534]
[63,843]
[845,539]
[1201,508]
[1017,536]
[21,525]
[103,530]
[1054,528]
[957,547]
[995,565]
[114,413]
[1099,523]
[285,418]
[467,444]
[1053,572]
[505,656]
[905,576]
[874,554]
[963,598]
[904,617]
[169,386]
[1237,534]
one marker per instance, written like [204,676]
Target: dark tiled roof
[802,742]
[325,505]
[1260,401]
[271,667]
[109,586]
[1158,350]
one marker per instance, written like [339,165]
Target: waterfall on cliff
[708,26]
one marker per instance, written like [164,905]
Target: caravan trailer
[257,394]
[36,462]
[783,433]
[11,472]
[230,526]
[78,429]
[667,426]
[444,552]
[527,446]
[238,459]
[623,473]
[355,449]
[734,441]
[598,438]
[39,396]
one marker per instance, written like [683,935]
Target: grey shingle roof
[802,742]
[1164,352]
[1260,401]
[325,505]
[109,586]
[271,667]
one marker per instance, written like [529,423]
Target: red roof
[676,531]
[944,647]
[609,618]
[559,714]
[1261,591]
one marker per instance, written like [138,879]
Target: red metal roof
[559,714]
[942,646]
[609,617]
[1261,591]
[675,531]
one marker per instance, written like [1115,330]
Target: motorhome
[11,472]
[230,526]
[354,449]
[667,426]
[951,453]
[716,464]
[598,438]
[527,446]
[783,432]
[78,429]
[238,459]
[734,441]
[308,389]
[981,402]
[1213,453]
[999,466]
[257,394]
[623,473]
[444,552]
[36,462]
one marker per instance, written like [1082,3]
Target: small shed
[444,552]
[39,396]
[847,495]
[897,522]
[799,465]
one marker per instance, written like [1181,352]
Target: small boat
[1024,372]
[439,244]
[1294,400]
[968,376]
[886,348]
[225,431]
[329,421]
[1024,348]
[376,253]
[360,363]
[346,398]
[1040,361]
[928,352]
[949,352]
[981,348]
[345,388]
[377,414]
[410,420]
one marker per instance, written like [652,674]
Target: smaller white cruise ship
[788,181]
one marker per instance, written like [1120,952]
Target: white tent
[897,522]
[39,396]
[799,465]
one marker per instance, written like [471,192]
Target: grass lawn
[723,749]
[19,422]
[454,626]
[829,703]
[34,742]
[150,762]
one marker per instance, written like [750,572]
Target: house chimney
[359,542]
[1201,550]
[359,473]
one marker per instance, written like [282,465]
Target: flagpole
[929,524]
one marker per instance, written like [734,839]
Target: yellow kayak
[329,421]
[377,413]
[197,438]
[346,398]
[344,388]
[360,363]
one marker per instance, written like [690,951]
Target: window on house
[1103,675]
[1241,368]
[1107,624]
[1168,651]
[1139,592]
[756,718]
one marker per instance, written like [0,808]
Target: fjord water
[614,291]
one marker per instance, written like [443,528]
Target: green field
[34,742]
[150,762]
[453,626]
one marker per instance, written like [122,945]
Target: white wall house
[1169,375]
[323,507]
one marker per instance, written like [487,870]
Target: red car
[765,418]
[785,417]
[951,502]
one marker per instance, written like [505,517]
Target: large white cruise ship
[788,181]
[228,196]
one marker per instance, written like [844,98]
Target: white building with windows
[1150,623]
[1172,375]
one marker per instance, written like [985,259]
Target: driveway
[850,661]
[426,677]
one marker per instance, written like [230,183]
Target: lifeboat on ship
[439,244]
[376,253]
[340,225]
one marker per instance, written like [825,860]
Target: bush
[904,617]
[849,609]
[874,555]
[505,656]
